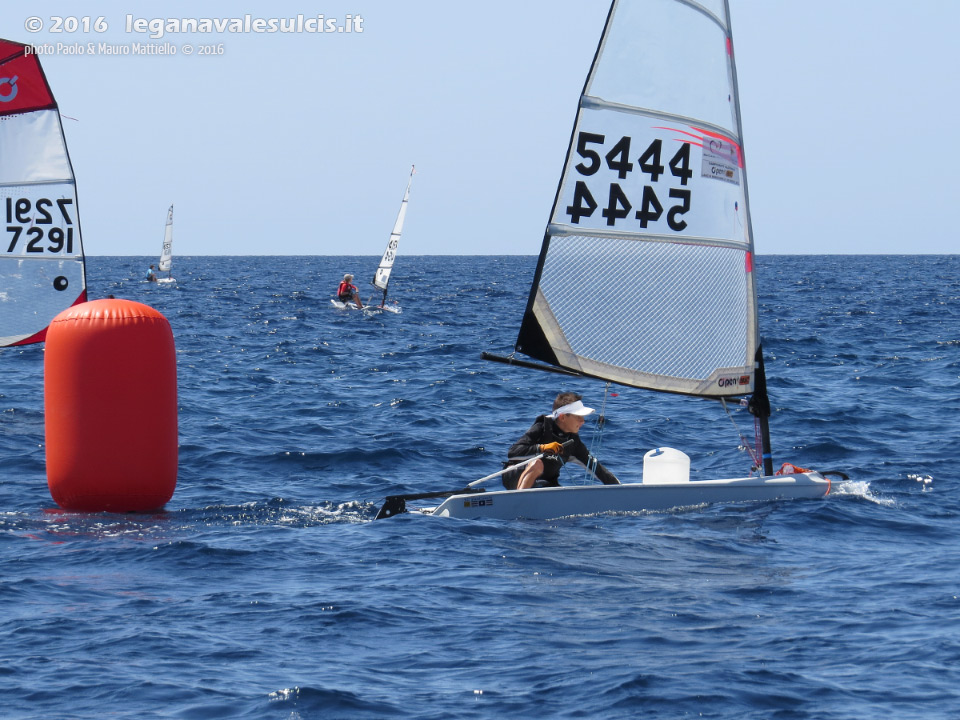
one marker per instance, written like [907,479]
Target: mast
[759,403]
[759,406]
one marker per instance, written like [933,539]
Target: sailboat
[42,270]
[653,199]
[381,278]
[166,253]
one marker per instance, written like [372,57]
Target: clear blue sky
[301,143]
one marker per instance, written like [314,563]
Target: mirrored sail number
[34,226]
[391,252]
[647,207]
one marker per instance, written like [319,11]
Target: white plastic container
[666,465]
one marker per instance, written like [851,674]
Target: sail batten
[596,103]
[645,276]
[37,182]
[557,230]
[42,269]
[715,16]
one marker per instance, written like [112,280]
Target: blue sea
[265,589]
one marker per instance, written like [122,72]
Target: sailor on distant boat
[151,275]
[347,291]
[546,435]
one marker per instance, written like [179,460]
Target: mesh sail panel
[666,316]
[33,292]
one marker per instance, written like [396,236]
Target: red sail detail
[23,86]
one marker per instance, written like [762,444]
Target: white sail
[645,274]
[166,254]
[381,278]
[41,251]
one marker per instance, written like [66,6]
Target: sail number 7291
[644,202]
[37,224]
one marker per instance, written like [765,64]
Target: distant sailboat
[381,278]
[166,254]
[42,269]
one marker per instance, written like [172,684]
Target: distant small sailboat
[42,270]
[381,278]
[166,254]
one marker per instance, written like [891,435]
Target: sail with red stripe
[645,275]
[41,251]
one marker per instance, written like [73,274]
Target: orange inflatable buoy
[110,401]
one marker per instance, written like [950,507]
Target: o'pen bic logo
[12,82]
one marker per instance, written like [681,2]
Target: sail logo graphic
[726,382]
[720,161]
[5,94]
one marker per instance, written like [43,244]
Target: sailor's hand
[553,448]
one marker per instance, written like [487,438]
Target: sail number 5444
[37,224]
[620,160]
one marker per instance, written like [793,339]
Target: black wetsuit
[545,430]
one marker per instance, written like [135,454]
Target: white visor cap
[574,408]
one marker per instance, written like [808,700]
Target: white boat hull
[549,503]
[369,309]
[344,306]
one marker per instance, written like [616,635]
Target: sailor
[547,435]
[347,291]
[151,275]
